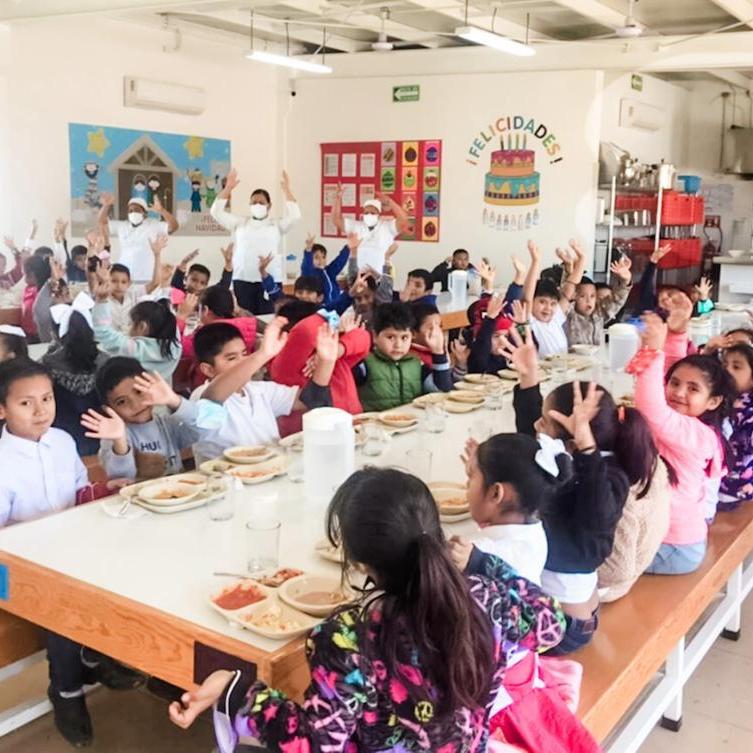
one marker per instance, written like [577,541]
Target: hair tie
[621,413]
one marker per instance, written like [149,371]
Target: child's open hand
[494,307]
[533,250]
[353,243]
[460,551]
[159,243]
[518,267]
[232,181]
[522,355]
[703,288]
[187,306]
[391,251]
[622,269]
[520,312]
[310,240]
[155,390]
[274,339]
[654,331]
[578,423]
[99,284]
[660,253]
[327,344]
[264,262]
[187,259]
[227,255]
[680,312]
[109,426]
[487,273]
[166,275]
[469,453]
[567,260]
[460,352]
[435,340]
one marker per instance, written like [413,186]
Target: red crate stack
[684,252]
[681,209]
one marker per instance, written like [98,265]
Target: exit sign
[411,93]
[636,82]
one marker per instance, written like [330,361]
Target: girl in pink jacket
[685,410]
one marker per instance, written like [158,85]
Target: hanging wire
[465,22]
[494,17]
[287,39]
[251,30]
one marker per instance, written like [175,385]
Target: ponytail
[387,520]
[161,324]
[79,345]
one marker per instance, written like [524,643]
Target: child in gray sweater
[137,441]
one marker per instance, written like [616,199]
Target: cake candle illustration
[512,179]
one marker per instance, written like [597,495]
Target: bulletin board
[408,171]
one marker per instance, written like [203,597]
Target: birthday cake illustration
[512,179]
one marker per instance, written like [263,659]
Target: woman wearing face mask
[136,233]
[376,235]
[255,237]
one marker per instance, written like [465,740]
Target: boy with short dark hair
[253,407]
[136,441]
[390,376]
[314,263]
[460,260]
[41,473]
[308,288]
[418,287]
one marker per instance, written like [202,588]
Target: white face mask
[135,218]
[259,211]
[370,220]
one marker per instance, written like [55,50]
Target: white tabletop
[168,561]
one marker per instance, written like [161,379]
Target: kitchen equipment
[328,451]
[692,183]
[666,176]
[623,345]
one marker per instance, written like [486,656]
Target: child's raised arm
[532,277]
[567,291]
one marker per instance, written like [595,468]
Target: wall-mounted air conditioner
[635,114]
[163,95]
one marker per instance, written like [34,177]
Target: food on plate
[321,598]
[272,619]
[240,595]
[399,419]
[278,578]
[172,492]
[243,473]
[241,454]
[465,396]
[508,374]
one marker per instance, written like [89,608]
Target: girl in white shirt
[255,237]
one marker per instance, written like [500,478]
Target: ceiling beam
[501,25]
[30,9]
[742,10]
[733,78]
[596,11]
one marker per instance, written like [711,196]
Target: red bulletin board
[409,171]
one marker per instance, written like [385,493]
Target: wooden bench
[669,621]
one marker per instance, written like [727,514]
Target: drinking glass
[435,419]
[480,430]
[496,399]
[374,443]
[419,463]
[294,456]
[262,545]
[224,490]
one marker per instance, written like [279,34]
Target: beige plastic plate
[292,590]
[242,454]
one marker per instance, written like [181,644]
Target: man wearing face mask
[136,233]
[255,237]
[376,234]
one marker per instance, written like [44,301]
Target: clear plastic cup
[418,461]
[262,545]
[224,490]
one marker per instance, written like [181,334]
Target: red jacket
[287,368]
[27,310]
[422,353]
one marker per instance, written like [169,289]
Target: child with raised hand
[136,441]
[253,407]
[737,485]
[9,278]
[153,336]
[40,474]
[418,658]
[685,409]
[612,453]
[73,364]
[194,278]
[426,319]
[487,350]
[549,305]
[390,376]
[314,263]
[589,314]
[12,343]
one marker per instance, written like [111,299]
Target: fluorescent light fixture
[289,62]
[498,42]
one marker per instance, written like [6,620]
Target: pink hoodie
[692,449]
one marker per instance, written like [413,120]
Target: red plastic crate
[681,208]
[684,252]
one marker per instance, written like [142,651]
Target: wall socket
[712,220]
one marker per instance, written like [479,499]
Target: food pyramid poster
[409,171]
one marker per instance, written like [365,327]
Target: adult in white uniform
[137,233]
[255,237]
[376,233]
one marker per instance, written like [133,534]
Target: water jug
[623,344]
[328,452]
[700,330]
[458,285]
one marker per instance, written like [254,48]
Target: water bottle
[623,345]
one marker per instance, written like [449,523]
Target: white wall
[71,70]
[455,108]
[669,143]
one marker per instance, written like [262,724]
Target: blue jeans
[677,560]
[578,633]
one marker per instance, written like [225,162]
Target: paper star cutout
[97,142]
[194,145]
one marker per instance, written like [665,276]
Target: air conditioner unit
[635,114]
[163,95]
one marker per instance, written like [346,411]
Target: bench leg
[731,630]
[674,669]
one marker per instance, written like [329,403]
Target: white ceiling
[350,26]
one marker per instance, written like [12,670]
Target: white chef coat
[255,238]
[135,251]
[374,242]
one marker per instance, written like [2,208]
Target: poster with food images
[410,172]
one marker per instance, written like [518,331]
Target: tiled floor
[718,714]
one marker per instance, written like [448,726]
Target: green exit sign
[411,93]
[636,82]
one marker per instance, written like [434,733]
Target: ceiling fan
[382,44]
